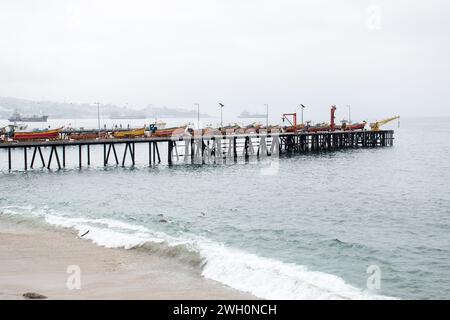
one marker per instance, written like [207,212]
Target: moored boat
[86,136]
[296,128]
[129,133]
[37,135]
[168,132]
[321,127]
[229,129]
[352,127]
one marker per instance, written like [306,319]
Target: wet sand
[36,259]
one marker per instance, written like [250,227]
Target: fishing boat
[352,127]
[251,128]
[86,135]
[321,127]
[270,129]
[296,128]
[211,131]
[229,129]
[37,134]
[169,132]
[129,133]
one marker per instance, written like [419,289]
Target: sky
[382,57]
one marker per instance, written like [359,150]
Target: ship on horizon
[246,114]
[17,117]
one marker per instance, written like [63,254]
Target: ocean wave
[263,277]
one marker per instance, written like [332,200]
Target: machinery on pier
[375,126]
[333,118]
[294,127]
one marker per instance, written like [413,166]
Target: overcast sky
[383,57]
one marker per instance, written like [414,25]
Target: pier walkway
[192,148]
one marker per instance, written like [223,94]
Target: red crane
[333,110]
[294,116]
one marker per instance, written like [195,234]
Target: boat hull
[37,135]
[319,129]
[129,134]
[86,136]
[169,132]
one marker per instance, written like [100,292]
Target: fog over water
[381,57]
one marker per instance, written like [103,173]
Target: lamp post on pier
[349,114]
[98,116]
[302,107]
[221,114]
[267,115]
[198,115]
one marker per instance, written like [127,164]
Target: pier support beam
[79,156]
[53,151]
[36,149]
[25,160]
[9,159]
[169,152]
[106,158]
[88,154]
[64,156]
[131,148]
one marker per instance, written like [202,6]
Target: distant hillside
[59,110]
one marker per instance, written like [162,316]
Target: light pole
[98,116]
[221,114]
[198,115]
[267,115]
[349,114]
[302,107]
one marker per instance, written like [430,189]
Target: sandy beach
[36,259]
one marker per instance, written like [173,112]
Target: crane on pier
[375,126]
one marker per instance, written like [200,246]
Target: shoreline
[38,258]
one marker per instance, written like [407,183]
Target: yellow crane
[375,126]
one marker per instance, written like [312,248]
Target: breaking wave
[263,277]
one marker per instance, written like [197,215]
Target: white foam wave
[262,277]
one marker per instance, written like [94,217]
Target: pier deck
[200,147]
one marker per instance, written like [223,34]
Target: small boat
[251,128]
[86,136]
[37,135]
[270,129]
[296,128]
[129,133]
[229,129]
[321,127]
[352,127]
[210,131]
[168,132]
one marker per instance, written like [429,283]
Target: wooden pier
[193,149]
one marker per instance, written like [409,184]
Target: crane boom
[376,125]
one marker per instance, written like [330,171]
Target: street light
[198,115]
[302,107]
[98,116]
[349,115]
[221,114]
[267,115]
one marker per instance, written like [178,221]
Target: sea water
[350,224]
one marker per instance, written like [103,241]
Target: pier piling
[204,148]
